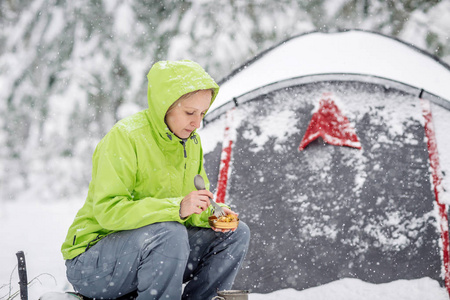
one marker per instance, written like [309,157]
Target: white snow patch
[355,289]
[212,135]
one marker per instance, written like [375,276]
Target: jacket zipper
[183,142]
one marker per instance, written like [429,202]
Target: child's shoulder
[132,123]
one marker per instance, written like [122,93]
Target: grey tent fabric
[331,212]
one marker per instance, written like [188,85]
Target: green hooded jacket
[140,170]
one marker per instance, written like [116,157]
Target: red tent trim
[330,124]
[225,160]
[437,180]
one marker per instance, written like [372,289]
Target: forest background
[70,69]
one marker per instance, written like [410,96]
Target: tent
[331,146]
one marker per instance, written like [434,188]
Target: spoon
[200,185]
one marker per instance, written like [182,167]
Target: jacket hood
[168,81]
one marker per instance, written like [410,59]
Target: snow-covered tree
[70,69]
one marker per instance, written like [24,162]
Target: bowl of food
[224,222]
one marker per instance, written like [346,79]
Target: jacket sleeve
[113,182]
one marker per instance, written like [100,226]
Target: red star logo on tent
[330,124]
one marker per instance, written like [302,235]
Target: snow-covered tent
[333,147]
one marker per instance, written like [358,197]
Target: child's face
[188,114]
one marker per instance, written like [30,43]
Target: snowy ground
[38,229]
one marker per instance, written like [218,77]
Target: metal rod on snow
[23,281]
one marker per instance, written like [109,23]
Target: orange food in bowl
[225,222]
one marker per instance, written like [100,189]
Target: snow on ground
[39,228]
[355,289]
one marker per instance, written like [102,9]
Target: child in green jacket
[144,227]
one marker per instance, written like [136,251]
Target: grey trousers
[157,259]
